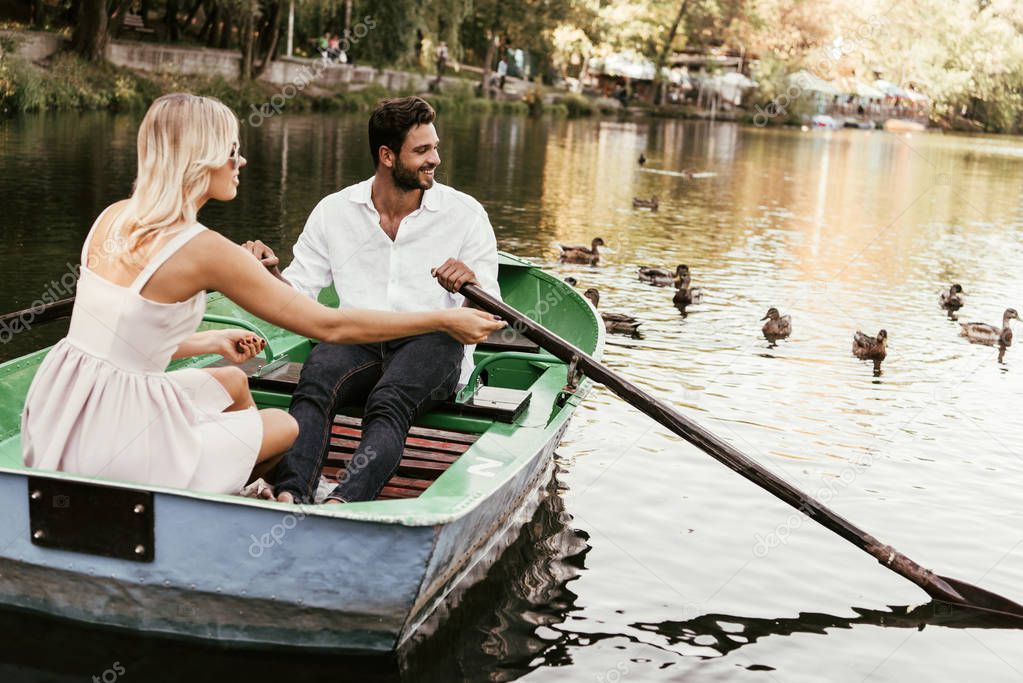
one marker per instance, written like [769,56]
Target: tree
[91,34]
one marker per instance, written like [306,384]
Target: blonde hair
[182,139]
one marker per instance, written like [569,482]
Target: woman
[102,404]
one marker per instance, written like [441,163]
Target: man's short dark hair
[391,121]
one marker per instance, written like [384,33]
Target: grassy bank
[67,83]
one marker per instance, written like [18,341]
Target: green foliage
[69,83]
[577,106]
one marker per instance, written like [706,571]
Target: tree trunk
[171,20]
[348,20]
[488,60]
[275,36]
[225,30]
[662,56]
[91,32]
[208,32]
[247,41]
[38,13]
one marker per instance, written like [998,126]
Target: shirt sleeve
[309,270]
[479,252]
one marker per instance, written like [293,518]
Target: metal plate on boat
[91,518]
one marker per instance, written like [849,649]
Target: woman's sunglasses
[234,157]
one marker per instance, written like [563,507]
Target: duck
[953,298]
[866,347]
[582,254]
[982,333]
[778,326]
[571,281]
[642,158]
[687,174]
[659,277]
[614,322]
[640,203]
[685,295]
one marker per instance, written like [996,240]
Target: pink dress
[103,405]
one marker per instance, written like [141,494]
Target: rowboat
[360,577]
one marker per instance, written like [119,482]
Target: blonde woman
[102,404]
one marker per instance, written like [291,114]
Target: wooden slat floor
[428,453]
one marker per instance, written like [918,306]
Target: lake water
[650,561]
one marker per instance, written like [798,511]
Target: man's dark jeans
[396,380]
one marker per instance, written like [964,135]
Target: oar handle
[37,315]
[712,445]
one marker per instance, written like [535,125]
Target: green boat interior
[508,366]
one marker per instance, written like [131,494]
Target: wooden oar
[41,314]
[938,587]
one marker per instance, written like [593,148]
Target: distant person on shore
[502,73]
[334,47]
[381,243]
[102,403]
[323,44]
[442,59]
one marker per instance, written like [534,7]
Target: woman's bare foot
[332,501]
[285,497]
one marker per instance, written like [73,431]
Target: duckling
[778,326]
[953,298]
[685,295]
[687,174]
[982,333]
[640,203]
[614,322]
[642,158]
[870,348]
[662,278]
[571,281]
[582,254]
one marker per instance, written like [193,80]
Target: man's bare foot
[285,497]
[332,501]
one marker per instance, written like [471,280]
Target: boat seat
[494,403]
[428,454]
[508,339]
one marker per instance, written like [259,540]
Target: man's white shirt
[342,243]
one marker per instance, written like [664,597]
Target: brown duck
[686,295]
[659,277]
[952,300]
[613,322]
[866,347]
[778,326]
[582,254]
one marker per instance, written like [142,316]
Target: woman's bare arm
[230,269]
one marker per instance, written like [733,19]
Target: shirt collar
[362,193]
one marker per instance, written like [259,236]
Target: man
[381,243]
[442,59]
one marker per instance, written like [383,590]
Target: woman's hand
[469,325]
[237,346]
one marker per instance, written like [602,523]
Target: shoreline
[37,74]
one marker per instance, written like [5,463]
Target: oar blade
[978,598]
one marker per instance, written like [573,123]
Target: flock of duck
[777,326]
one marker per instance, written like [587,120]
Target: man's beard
[407,179]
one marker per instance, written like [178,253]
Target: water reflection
[722,634]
